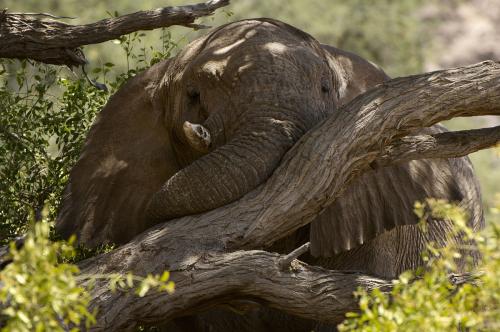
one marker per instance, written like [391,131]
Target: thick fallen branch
[442,145]
[24,37]
[309,291]
[311,176]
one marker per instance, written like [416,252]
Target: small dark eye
[193,93]
[325,87]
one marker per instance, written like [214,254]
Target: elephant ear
[126,158]
[355,74]
[382,199]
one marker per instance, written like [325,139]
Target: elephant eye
[325,87]
[193,94]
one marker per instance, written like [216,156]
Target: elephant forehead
[225,49]
[276,48]
[215,67]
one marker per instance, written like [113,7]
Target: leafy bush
[46,113]
[41,291]
[37,293]
[45,117]
[428,299]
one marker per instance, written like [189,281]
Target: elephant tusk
[197,136]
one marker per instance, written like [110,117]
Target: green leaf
[165,276]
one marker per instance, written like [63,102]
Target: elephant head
[199,130]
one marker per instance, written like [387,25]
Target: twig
[286,261]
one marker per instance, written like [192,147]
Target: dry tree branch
[311,175]
[286,262]
[315,171]
[442,145]
[305,290]
[24,37]
[41,15]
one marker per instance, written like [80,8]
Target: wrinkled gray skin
[245,83]
[202,129]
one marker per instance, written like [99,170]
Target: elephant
[204,128]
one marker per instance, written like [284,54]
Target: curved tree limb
[24,37]
[442,145]
[311,175]
[308,291]
[317,169]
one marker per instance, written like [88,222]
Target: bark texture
[442,145]
[304,290]
[23,36]
[204,253]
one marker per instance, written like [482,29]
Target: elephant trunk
[230,171]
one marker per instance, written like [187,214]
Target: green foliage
[428,299]
[142,285]
[41,135]
[37,292]
[40,291]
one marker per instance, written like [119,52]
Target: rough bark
[24,37]
[197,249]
[308,291]
[442,145]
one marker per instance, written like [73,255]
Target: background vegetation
[46,112]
